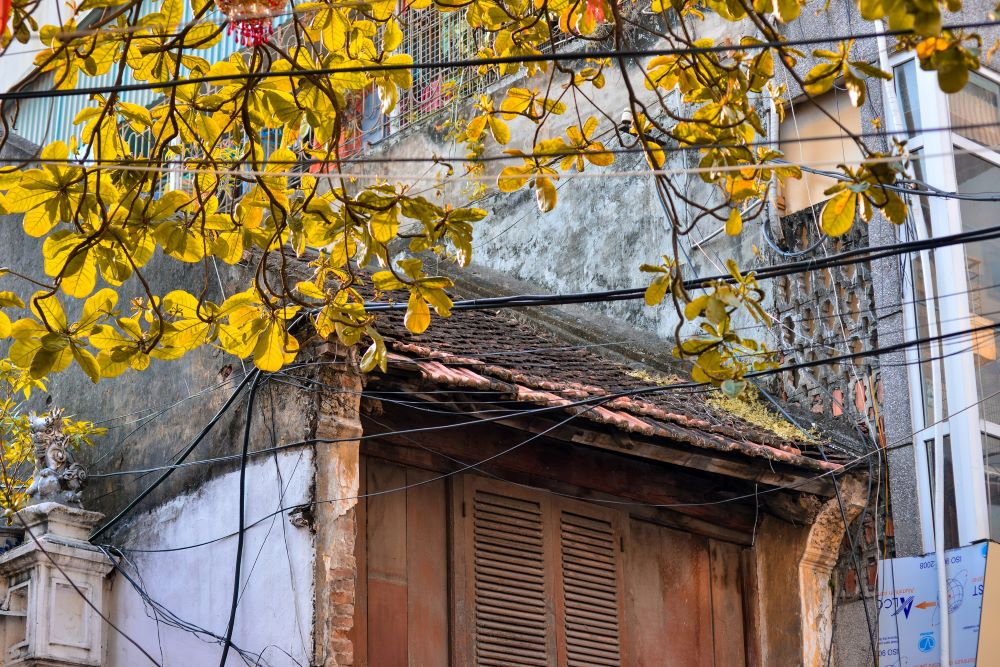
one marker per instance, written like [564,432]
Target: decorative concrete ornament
[57,478]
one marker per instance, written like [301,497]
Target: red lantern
[249,19]
[5,7]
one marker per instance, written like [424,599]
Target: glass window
[950,509]
[905,76]
[976,176]
[991,462]
[975,111]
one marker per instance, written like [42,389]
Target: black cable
[242,512]
[907,442]
[568,151]
[474,63]
[161,614]
[183,455]
[572,404]
[855,256]
[765,232]
[843,515]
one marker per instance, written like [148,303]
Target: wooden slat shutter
[590,583]
[544,576]
[509,581]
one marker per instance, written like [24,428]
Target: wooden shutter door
[543,577]
[513,617]
[591,588]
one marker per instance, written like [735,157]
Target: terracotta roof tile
[487,350]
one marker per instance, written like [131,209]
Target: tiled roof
[498,351]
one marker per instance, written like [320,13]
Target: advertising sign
[909,618]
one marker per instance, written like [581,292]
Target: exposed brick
[851,583]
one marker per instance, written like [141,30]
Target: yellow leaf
[47,308]
[418,314]
[274,348]
[87,362]
[4,325]
[838,213]
[474,129]
[512,178]
[10,300]
[734,225]
[392,37]
[545,194]
[383,225]
[657,289]
[499,130]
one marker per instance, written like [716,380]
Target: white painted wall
[275,613]
[19,59]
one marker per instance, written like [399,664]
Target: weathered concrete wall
[274,618]
[606,223]
[153,415]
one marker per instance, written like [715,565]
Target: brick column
[337,477]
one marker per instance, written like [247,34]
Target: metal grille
[431,36]
[42,121]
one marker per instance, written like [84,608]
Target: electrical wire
[866,254]
[476,62]
[572,175]
[900,444]
[569,151]
[578,403]
[160,613]
[115,520]
[242,513]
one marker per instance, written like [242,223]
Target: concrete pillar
[54,586]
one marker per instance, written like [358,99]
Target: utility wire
[242,512]
[854,256]
[900,444]
[475,63]
[504,157]
[578,403]
[115,520]
[424,175]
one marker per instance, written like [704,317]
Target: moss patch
[749,407]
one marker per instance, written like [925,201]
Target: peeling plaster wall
[601,231]
[151,416]
[275,612]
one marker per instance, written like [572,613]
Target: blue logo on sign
[926,643]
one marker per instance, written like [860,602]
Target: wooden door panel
[510,591]
[386,546]
[591,595]
[668,607]
[426,569]
[727,603]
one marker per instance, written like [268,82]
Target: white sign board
[909,619]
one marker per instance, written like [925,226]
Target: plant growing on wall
[17,454]
[104,211]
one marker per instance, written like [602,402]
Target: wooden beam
[771,473]
[625,478]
